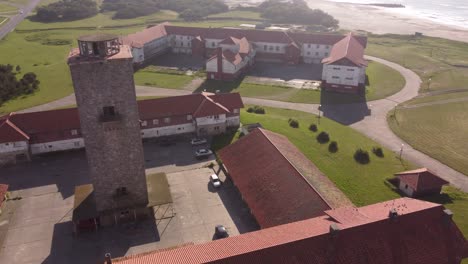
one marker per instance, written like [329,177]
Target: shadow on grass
[344,108]
[213,86]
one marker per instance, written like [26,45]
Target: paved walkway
[16,19]
[369,118]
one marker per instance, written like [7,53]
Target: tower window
[109,111]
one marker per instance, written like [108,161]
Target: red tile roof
[349,49]
[420,234]
[421,179]
[11,133]
[323,39]
[3,192]
[272,187]
[56,125]
[139,39]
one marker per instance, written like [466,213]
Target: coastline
[380,20]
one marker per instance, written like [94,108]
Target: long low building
[401,231]
[342,55]
[26,134]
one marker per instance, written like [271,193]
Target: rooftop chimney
[447,217]
[108,258]
[393,213]
[334,229]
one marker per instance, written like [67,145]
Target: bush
[378,152]
[362,156]
[256,109]
[293,123]
[323,137]
[313,128]
[11,87]
[333,147]
[66,10]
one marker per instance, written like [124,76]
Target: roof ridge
[294,167]
[17,129]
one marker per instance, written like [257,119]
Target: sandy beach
[380,21]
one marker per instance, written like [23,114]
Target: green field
[440,130]
[363,184]
[443,61]
[237,15]
[162,80]
[4,8]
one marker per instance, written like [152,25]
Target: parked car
[215,180]
[198,141]
[203,153]
[220,232]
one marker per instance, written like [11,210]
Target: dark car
[220,232]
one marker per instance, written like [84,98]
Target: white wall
[212,65]
[210,120]
[13,146]
[155,46]
[209,43]
[233,121]
[233,48]
[314,53]
[271,47]
[61,145]
[408,191]
[343,75]
[167,130]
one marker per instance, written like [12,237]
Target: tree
[18,68]
[11,87]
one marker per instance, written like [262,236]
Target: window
[350,70]
[308,53]
[144,123]
[213,44]
[318,46]
[189,44]
[277,48]
[189,117]
[336,68]
[265,47]
[155,122]
[182,44]
[74,132]
[326,54]
[216,128]
[316,53]
[335,77]
[7,144]
[188,37]
[406,186]
[17,144]
[76,144]
[216,117]
[349,78]
[167,120]
[108,111]
[271,47]
[327,47]
[308,45]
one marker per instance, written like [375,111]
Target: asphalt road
[15,20]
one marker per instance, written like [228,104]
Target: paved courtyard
[37,227]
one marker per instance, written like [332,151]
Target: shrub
[313,128]
[378,152]
[323,137]
[256,109]
[362,156]
[333,147]
[293,123]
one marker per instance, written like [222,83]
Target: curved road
[16,19]
[368,118]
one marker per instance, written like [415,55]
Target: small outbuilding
[420,182]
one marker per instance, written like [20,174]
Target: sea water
[447,12]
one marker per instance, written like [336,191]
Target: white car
[21,11]
[215,180]
[203,153]
[198,141]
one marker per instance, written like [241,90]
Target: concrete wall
[13,147]
[233,121]
[406,189]
[62,145]
[168,130]
[343,75]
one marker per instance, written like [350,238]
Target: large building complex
[26,134]
[230,52]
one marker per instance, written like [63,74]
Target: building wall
[61,145]
[406,189]
[233,121]
[168,130]
[13,147]
[343,75]
[138,55]
[268,47]
[156,47]
[211,120]
[180,44]
[113,148]
[314,53]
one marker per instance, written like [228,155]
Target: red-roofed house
[401,231]
[22,134]
[147,43]
[345,68]
[420,182]
[278,183]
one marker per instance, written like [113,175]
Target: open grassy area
[237,15]
[7,8]
[440,130]
[443,61]
[162,80]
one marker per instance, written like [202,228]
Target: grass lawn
[237,14]
[162,80]
[158,189]
[7,8]
[444,61]
[436,98]
[3,20]
[440,131]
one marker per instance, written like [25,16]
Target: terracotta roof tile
[139,39]
[421,179]
[349,49]
[422,234]
[9,132]
[272,187]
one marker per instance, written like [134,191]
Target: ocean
[447,12]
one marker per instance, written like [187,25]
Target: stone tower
[102,75]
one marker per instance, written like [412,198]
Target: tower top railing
[98,45]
